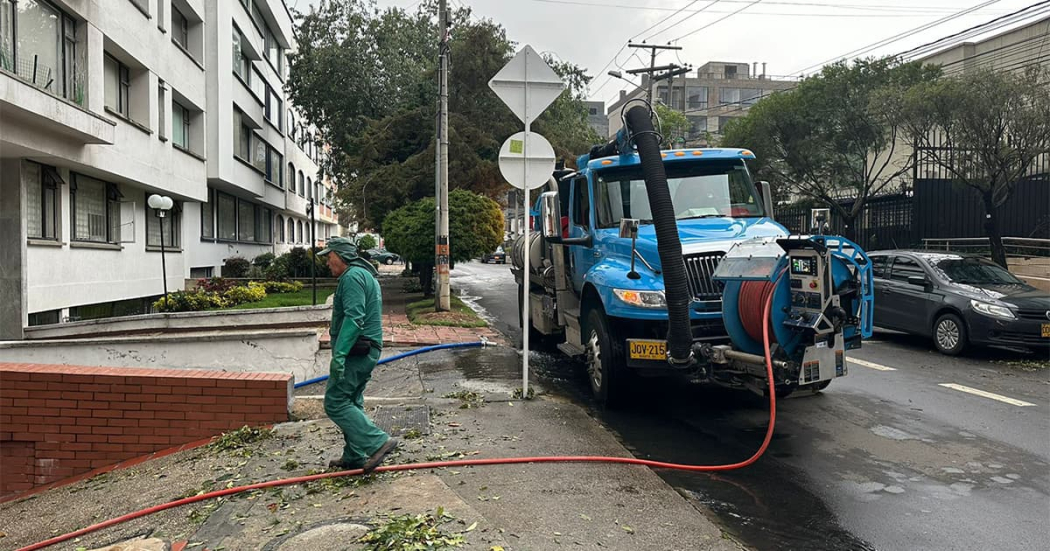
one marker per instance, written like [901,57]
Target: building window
[696,97]
[42,200]
[204,272]
[241,63]
[162,100]
[743,96]
[302,237]
[208,217]
[291,177]
[260,147]
[38,43]
[180,28]
[264,225]
[242,138]
[697,127]
[274,166]
[291,125]
[309,188]
[180,125]
[118,86]
[227,214]
[291,230]
[172,227]
[280,228]
[302,184]
[245,221]
[258,85]
[95,207]
[273,108]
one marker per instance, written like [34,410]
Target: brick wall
[57,421]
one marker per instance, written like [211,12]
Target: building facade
[103,104]
[716,93]
[596,118]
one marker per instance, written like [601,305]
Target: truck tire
[607,370]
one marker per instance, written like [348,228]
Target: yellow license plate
[647,350]
[1046,330]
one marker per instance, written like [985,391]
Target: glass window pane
[259,158]
[207,220]
[178,127]
[227,214]
[6,36]
[39,44]
[90,215]
[33,178]
[245,221]
[238,55]
[112,78]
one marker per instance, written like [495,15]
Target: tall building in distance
[710,97]
[103,104]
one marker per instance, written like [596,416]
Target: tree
[837,133]
[986,129]
[366,243]
[475,228]
[674,125]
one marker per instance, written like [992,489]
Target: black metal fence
[934,209]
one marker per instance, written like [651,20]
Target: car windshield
[976,271]
[698,190]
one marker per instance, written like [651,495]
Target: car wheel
[949,334]
[607,370]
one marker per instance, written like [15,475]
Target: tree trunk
[849,227]
[426,279]
[991,227]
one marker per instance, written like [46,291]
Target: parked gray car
[957,300]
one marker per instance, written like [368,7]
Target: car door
[880,270]
[580,225]
[908,301]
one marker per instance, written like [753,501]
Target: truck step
[570,350]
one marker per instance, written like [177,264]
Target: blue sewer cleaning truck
[651,263]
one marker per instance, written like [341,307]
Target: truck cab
[601,292]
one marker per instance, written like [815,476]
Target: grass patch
[422,313]
[1026,364]
[283,300]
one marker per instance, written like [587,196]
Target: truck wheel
[606,366]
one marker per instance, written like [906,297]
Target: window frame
[180,28]
[46,182]
[123,75]
[112,203]
[210,223]
[173,237]
[66,64]
[185,113]
[914,261]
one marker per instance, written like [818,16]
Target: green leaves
[475,227]
[414,533]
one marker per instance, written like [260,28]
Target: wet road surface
[886,458]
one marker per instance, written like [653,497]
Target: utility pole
[442,301]
[652,63]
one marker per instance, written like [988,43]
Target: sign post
[528,86]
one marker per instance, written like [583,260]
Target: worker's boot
[372,462]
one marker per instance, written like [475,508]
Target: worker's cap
[340,246]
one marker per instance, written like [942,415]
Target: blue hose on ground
[476,344]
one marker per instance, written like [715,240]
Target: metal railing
[1016,247]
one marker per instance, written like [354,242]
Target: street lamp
[161,204]
[619,75]
[313,249]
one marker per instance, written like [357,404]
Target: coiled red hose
[751,294]
[468,462]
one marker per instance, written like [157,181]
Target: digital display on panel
[804,266]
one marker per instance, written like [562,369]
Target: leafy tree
[837,133]
[674,125]
[475,228]
[986,129]
[366,243]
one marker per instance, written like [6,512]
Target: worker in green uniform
[357,341]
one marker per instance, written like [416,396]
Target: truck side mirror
[767,198]
[628,228]
[550,214]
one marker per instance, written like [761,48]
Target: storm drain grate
[397,420]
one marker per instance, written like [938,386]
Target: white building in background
[105,103]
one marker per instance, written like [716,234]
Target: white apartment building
[105,102]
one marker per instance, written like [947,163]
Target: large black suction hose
[676,287]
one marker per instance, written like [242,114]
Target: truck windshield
[698,190]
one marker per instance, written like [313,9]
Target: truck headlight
[641,299]
[992,310]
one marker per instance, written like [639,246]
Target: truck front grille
[700,267]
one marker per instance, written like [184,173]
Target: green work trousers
[344,402]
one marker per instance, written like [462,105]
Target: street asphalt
[912,450]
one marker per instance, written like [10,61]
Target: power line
[858,7]
[996,23]
[901,36]
[715,22]
[683,20]
[661,22]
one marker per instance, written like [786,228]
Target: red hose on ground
[468,462]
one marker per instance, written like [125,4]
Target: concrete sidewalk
[445,405]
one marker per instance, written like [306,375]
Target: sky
[790,36]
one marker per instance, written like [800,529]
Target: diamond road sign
[527,85]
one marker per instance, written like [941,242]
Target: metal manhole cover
[397,420]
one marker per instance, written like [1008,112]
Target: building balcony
[30,113]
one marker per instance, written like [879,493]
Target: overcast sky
[789,35]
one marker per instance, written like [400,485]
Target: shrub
[366,242]
[216,285]
[279,269]
[277,287]
[264,260]
[235,266]
[181,301]
[253,292]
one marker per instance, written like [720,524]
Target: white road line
[870,365]
[976,392]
